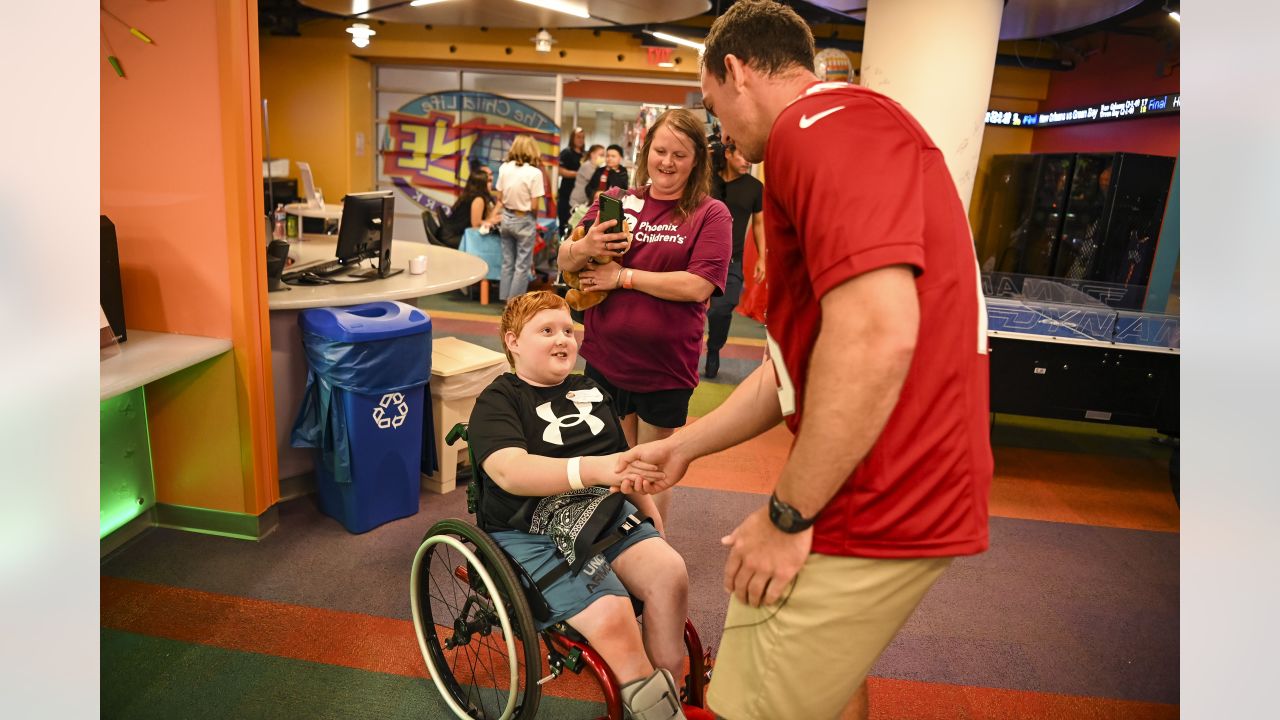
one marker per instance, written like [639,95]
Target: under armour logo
[552,433]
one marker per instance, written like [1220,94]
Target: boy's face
[613,158]
[545,350]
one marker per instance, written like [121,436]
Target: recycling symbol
[391,402]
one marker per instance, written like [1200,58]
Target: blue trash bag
[390,354]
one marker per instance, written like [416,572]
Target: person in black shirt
[546,442]
[475,208]
[609,175]
[745,197]
[570,161]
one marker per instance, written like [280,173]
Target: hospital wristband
[575,474]
[628,278]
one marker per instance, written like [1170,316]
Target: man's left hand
[762,559]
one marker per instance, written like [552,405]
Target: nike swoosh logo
[806,121]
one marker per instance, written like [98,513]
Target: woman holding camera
[643,342]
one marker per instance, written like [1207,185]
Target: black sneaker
[712,367]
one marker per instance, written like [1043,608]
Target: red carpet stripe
[911,700]
[387,645]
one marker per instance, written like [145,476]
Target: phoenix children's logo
[430,141]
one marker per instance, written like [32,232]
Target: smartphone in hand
[610,209]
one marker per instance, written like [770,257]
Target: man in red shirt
[877,360]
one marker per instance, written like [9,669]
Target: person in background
[475,208]
[877,362]
[570,163]
[593,160]
[744,195]
[643,342]
[520,184]
[543,481]
[610,175]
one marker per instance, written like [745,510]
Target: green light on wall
[127,488]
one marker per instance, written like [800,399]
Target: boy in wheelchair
[546,442]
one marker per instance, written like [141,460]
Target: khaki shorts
[806,656]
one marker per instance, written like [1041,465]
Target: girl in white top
[520,183]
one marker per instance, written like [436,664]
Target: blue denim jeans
[519,234]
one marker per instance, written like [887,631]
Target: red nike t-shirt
[854,184]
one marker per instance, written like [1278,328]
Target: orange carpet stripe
[1029,484]
[331,637]
[914,700]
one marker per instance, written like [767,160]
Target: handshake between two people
[649,468]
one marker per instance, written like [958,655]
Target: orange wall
[628,92]
[181,179]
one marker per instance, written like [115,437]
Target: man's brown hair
[766,36]
[520,309]
[698,186]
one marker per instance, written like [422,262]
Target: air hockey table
[1079,362]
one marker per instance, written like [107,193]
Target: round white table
[447,270]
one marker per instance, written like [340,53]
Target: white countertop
[148,356]
[447,270]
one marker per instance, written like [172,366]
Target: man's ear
[735,72]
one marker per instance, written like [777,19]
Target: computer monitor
[365,232]
[309,192]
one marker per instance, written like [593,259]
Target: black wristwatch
[786,518]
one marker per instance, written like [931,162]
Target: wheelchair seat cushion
[571,593]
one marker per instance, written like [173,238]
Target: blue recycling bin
[367,366]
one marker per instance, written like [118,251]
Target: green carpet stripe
[146,677]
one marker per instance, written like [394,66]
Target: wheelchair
[473,612]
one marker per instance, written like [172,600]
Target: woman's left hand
[601,277]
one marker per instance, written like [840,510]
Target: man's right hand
[665,454]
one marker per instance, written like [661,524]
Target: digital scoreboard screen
[1102,112]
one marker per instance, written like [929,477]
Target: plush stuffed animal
[578,298]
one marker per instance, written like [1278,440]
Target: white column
[937,59]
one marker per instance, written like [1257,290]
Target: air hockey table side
[1076,362]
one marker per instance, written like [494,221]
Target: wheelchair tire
[485,606]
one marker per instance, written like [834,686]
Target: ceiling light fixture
[1176,16]
[678,40]
[360,34]
[576,9]
[543,41]
[1172,8]
[420,3]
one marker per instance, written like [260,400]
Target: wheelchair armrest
[459,432]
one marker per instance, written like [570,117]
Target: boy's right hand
[611,471]
[662,454]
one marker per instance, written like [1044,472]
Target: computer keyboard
[323,268]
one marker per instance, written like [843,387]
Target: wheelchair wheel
[473,624]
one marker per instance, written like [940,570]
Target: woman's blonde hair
[524,151]
[698,186]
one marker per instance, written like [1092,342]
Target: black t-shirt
[570,159]
[542,421]
[745,196]
[459,218]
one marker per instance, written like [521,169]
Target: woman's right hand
[603,239]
